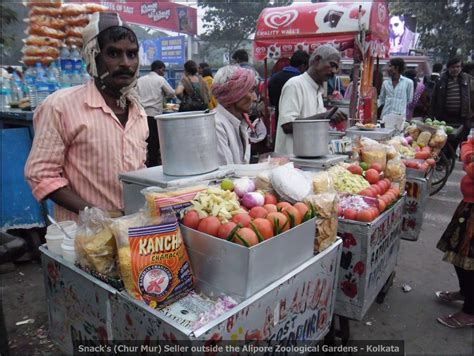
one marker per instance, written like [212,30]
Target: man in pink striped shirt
[85,136]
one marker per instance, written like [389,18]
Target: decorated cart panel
[369,256]
[418,190]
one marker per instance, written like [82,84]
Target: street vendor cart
[279,300]
[358,29]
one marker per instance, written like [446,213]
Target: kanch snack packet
[160,264]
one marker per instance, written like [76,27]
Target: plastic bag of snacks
[95,243]
[153,260]
[439,138]
[160,201]
[424,138]
[325,205]
[396,172]
[374,154]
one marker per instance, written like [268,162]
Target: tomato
[431,162]
[191,219]
[350,214]
[469,169]
[391,196]
[426,149]
[375,212]
[243,219]
[225,229]
[355,169]
[364,215]
[302,208]
[377,188]
[382,205]
[271,208]
[385,199]
[282,205]
[422,155]
[209,225]
[294,216]
[372,176]
[283,223]
[376,166]
[263,226]
[258,212]
[369,192]
[246,237]
[396,191]
[270,199]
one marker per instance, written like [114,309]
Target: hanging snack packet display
[159,201]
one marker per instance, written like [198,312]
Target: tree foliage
[7,16]
[445,26]
[228,23]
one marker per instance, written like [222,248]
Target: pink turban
[235,88]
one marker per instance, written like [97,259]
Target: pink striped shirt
[80,143]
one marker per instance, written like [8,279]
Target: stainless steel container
[310,138]
[225,267]
[188,143]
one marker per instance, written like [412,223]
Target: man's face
[245,104]
[326,69]
[455,69]
[120,60]
[161,71]
[392,70]
[397,26]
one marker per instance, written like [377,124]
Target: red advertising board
[165,15]
[283,30]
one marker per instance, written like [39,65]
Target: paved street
[403,316]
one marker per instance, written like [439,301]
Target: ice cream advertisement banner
[283,30]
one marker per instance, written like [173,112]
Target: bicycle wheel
[450,156]
[441,173]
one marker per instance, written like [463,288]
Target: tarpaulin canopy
[283,30]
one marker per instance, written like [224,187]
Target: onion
[404,141]
[252,199]
[409,140]
[243,185]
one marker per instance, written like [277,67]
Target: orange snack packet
[161,270]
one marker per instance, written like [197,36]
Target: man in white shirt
[302,96]
[397,91]
[153,90]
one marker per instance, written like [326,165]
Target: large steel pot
[188,143]
[310,138]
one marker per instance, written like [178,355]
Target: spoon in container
[54,222]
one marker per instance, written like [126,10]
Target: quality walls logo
[280,19]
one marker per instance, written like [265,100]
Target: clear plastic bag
[396,172]
[95,243]
[438,140]
[374,154]
[325,205]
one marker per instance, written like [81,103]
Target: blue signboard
[170,50]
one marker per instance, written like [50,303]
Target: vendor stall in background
[358,29]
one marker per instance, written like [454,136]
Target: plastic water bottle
[65,59]
[53,70]
[16,89]
[76,60]
[30,80]
[52,81]
[42,88]
[5,93]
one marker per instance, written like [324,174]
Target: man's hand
[338,116]
[69,200]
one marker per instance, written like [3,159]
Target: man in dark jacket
[453,99]
[298,65]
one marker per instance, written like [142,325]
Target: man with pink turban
[234,88]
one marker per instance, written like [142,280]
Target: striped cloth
[395,99]
[80,143]
[453,96]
